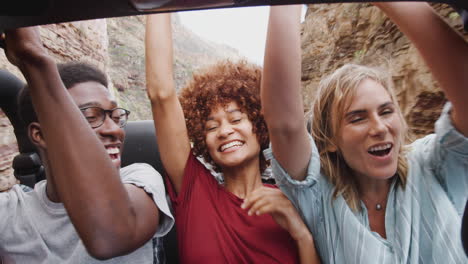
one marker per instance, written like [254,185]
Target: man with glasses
[88,209]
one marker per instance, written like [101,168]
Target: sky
[241,28]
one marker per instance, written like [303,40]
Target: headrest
[27,165]
[28,168]
[10,87]
[140,145]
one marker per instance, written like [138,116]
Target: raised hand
[23,45]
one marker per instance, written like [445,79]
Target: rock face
[8,150]
[335,34]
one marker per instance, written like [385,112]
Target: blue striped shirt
[422,221]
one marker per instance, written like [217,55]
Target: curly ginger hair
[219,85]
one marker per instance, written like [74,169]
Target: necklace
[378,205]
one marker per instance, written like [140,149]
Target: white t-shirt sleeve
[146,177]
[9,203]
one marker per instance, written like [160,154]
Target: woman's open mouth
[231,145]
[380,150]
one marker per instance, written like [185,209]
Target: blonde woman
[365,196]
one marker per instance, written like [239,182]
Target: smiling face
[370,132]
[91,93]
[229,137]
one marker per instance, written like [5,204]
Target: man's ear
[35,135]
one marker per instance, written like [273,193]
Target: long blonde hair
[333,98]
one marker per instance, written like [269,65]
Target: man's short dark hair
[75,73]
[71,74]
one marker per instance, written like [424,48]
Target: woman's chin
[382,174]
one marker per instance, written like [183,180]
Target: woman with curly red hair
[219,85]
[219,112]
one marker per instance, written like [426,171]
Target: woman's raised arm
[443,49]
[281,91]
[169,121]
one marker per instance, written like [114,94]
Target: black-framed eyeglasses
[96,115]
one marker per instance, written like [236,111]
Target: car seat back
[140,145]
[27,165]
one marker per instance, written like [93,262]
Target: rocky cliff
[336,34]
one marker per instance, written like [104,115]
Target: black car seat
[27,165]
[140,146]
